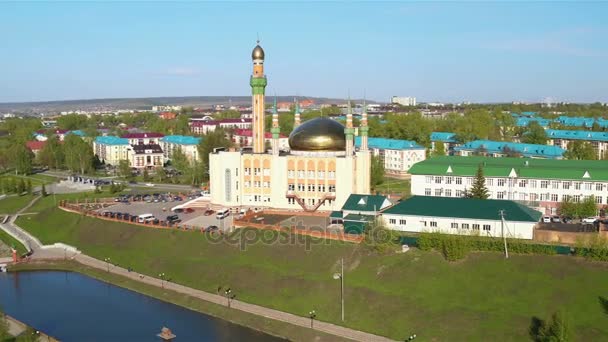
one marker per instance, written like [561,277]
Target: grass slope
[481,298]
[12,203]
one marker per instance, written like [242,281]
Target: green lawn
[12,203]
[481,298]
[12,242]
[395,186]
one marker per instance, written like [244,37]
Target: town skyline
[483,53]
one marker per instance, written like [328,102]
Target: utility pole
[502,229]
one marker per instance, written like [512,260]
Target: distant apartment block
[404,101]
[244,138]
[507,149]
[111,150]
[563,138]
[166,108]
[398,156]
[187,144]
[209,125]
[448,139]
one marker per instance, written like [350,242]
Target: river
[74,307]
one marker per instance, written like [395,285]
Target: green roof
[336,214]
[464,208]
[597,170]
[364,202]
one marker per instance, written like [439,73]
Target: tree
[439,149]
[535,134]
[557,330]
[52,154]
[78,154]
[161,175]
[21,186]
[211,141]
[479,190]
[125,169]
[146,175]
[21,159]
[587,207]
[580,150]
[28,186]
[376,172]
[568,207]
[43,191]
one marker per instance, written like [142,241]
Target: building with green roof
[540,183]
[465,216]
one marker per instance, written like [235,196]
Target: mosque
[319,172]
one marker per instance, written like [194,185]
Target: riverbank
[269,326]
[17,329]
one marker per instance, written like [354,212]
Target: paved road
[60,253]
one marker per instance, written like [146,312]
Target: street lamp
[412,337]
[107,260]
[341,277]
[229,296]
[312,316]
[162,279]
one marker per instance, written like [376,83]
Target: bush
[594,248]
[455,247]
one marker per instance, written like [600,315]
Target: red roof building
[244,137]
[167,115]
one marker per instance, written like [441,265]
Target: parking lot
[161,210]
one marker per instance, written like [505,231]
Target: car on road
[589,219]
[546,219]
[149,184]
[209,212]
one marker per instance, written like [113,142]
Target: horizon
[437,52]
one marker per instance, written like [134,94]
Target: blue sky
[435,51]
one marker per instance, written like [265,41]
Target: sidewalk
[44,252]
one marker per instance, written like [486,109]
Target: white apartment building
[398,155]
[563,138]
[110,149]
[143,138]
[188,145]
[539,183]
[404,101]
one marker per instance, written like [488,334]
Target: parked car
[177,198]
[209,212]
[555,219]
[212,229]
[173,219]
[567,219]
[546,219]
[589,219]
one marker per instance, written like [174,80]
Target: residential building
[42,135]
[166,108]
[145,156]
[507,149]
[448,139]
[244,138]
[167,115]
[147,138]
[462,216]
[404,101]
[111,149]
[397,155]
[35,146]
[205,126]
[188,145]
[563,138]
[540,183]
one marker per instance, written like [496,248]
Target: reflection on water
[74,307]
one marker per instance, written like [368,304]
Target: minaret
[258,87]
[363,129]
[275,130]
[296,115]
[349,131]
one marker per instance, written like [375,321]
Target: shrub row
[594,248]
[455,247]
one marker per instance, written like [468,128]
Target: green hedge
[595,248]
[456,247]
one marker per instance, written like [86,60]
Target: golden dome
[257,53]
[320,134]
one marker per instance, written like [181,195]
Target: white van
[222,213]
[145,218]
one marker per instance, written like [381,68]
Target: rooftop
[111,140]
[370,203]
[590,170]
[388,144]
[576,135]
[146,149]
[471,208]
[249,133]
[448,137]
[143,135]
[526,150]
[181,139]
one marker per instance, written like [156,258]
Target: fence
[312,233]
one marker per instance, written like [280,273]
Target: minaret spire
[349,130]
[258,89]
[276,129]
[363,129]
[296,115]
